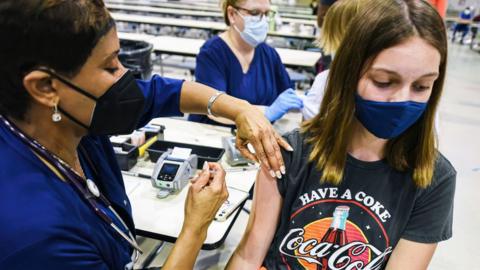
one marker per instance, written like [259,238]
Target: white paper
[119,139]
[181,153]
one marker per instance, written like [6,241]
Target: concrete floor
[459,139]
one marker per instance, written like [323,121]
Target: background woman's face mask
[255,31]
[117,111]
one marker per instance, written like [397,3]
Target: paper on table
[119,139]
[181,153]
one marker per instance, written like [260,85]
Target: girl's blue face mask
[387,120]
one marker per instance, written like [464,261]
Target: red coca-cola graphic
[336,234]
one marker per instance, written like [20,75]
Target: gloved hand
[285,102]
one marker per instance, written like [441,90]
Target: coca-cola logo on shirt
[314,254]
[336,234]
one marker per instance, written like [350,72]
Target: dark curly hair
[59,34]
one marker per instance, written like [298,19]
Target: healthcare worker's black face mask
[117,111]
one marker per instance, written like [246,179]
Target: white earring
[56,116]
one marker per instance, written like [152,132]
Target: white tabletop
[188,6]
[298,57]
[195,13]
[218,26]
[177,45]
[191,47]
[298,9]
[458,20]
[136,36]
[206,25]
[165,5]
[298,16]
[305,21]
[163,218]
[170,11]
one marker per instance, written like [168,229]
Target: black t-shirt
[383,205]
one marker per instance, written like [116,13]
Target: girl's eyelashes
[421,88]
[382,84]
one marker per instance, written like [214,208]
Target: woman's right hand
[205,196]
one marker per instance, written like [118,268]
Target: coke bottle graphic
[336,234]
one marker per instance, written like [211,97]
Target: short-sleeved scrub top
[219,68]
[45,224]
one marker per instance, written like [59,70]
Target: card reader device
[173,171]
[234,157]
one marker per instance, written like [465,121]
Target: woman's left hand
[254,128]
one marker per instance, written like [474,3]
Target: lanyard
[86,188]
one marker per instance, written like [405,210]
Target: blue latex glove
[285,102]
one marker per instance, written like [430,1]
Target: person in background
[334,27]
[463,24]
[323,7]
[474,28]
[241,64]
[314,6]
[367,187]
[326,59]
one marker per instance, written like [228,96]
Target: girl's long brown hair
[381,25]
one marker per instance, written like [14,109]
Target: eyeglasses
[256,14]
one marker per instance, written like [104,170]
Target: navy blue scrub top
[44,223]
[220,69]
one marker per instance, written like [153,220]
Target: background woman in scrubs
[241,64]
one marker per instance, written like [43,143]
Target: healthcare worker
[241,64]
[63,203]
